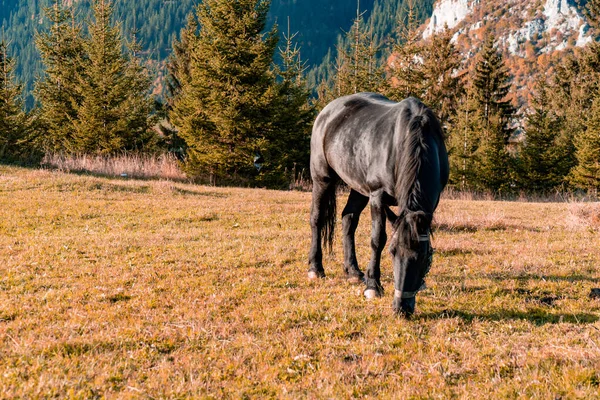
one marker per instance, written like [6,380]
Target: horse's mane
[413,147]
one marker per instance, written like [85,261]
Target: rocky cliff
[549,25]
[532,34]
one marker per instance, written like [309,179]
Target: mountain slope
[158,22]
[532,34]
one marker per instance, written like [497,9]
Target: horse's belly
[361,171]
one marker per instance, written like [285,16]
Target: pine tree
[13,120]
[116,110]
[225,114]
[63,56]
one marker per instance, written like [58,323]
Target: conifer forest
[231,88]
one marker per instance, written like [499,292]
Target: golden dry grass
[154,289]
[139,166]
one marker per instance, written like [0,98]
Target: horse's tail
[326,224]
[413,147]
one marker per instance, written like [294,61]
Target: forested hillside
[158,22]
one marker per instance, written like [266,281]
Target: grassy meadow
[153,289]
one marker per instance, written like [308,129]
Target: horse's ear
[390,215]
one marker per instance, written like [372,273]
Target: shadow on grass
[503,277]
[536,317]
[457,251]
[472,227]
[551,278]
[188,192]
[133,176]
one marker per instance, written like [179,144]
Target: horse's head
[411,253]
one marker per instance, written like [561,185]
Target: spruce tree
[357,67]
[225,114]
[289,144]
[178,64]
[479,132]
[491,85]
[62,52]
[178,76]
[13,120]
[407,74]
[463,142]
[586,174]
[116,110]
[542,165]
[442,87]
[575,89]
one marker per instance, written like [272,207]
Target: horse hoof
[371,294]
[315,275]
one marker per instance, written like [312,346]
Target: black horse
[388,153]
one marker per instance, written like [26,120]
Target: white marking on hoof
[398,294]
[312,275]
[371,294]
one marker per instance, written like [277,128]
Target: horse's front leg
[378,239]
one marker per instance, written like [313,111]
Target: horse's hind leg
[378,239]
[322,213]
[350,216]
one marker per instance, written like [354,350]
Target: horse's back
[353,137]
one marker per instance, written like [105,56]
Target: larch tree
[463,142]
[491,85]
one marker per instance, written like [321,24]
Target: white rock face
[527,33]
[583,38]
[561,15]
[448,12]
[558,16]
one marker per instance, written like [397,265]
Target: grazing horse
[388,153]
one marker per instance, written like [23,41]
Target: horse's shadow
[537,317]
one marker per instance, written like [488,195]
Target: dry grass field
[114,288]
